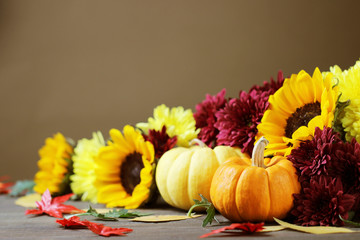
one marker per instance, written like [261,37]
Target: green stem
[194,206]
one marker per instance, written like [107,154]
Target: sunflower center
[130,171]
[301,117]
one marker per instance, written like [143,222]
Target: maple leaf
[245,227]
[107,231]
[4,187]
[100,229]
[53,206]
[72,222]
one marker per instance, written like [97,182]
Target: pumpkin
[256,189]
[184,173]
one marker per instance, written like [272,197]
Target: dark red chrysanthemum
[238,120]
[161,140]
[326,154]
[321,202]
[315,157]
[272,86]
[205,117]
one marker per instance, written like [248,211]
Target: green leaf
[22,188]
[210,210]
[338,115]
[112,215]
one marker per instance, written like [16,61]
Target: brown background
[81,66]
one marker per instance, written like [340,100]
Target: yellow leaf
[28,201]
[272,228]
[314,229]
[162,218]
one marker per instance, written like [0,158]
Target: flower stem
[258,153]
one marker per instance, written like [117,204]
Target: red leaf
[4,186]
[107,231]
[245,227]
[100,229]
[53,207]
[72,222]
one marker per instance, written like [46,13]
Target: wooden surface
[15,225]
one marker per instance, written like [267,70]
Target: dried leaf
[163,218]
[28,201]
[244,227]
[272,228]
[210,210]
[53,207]
[314,229]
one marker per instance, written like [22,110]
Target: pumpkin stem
[258,153]
[198,142]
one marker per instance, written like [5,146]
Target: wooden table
[14,224]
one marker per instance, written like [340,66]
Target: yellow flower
[84,166]
[53,165]
[178,122]
[125,168]
[349,86]
[296,109]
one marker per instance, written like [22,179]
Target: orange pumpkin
[256,189]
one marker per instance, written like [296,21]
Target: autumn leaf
[72,222]
[163,218]
[53,207]
[4,187]
[100,229]
[314,229]
[107,231]
[245,227]
[28,201]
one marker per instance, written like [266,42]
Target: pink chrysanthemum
[205,117]
[321,202]
[161,140]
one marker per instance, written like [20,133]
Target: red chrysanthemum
[161,140]
[238,120]
[272,86]
[321,202]
[205,117]
[326,154]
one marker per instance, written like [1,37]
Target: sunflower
[84,166]
[349,86]
[178,121]
[54,165]
[296,109]
[125,168]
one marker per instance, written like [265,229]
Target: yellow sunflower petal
[286,105]
[112,159]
